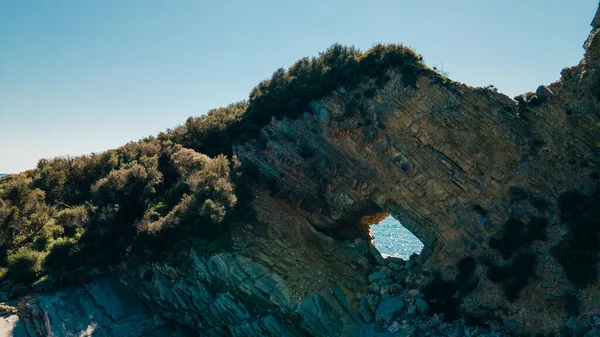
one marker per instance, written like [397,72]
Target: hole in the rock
[393,239]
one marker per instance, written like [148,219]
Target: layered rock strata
[498,191]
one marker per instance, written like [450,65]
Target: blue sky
[83,76]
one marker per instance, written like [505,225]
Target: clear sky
[84,76]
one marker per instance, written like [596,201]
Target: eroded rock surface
[478,178]
[104,307]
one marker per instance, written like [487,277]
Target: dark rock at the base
[395,266]
[389,309]
[373,301]
[105,306]
[593,333]
[573,328]
[365,311]
[377,256]
[376,276]
[511,327]
[422,307]
[372,330]
[452,330]
[375,288]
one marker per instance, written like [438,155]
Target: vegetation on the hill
[445,296]
[289,92]
[514,243]
[578,250]
[72,213]
[68,216]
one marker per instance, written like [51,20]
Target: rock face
[104,307]
[478,178]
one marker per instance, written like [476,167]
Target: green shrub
[466,280]
[44,284]
[18,290]
[577,251]
[497,274]
[511,239]
[482,211]
[24,266]
[540,204]
[513,275]
[50,232]
[521,270]
[440,295]
[64,253]
[73,217]
[7,309]
[7,285]
[536,229]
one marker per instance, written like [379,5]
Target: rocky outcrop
[502,194]
[104,307]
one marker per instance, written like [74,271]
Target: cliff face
[498,192]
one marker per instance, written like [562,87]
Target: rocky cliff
[503,193]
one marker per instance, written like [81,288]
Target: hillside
[253,219]
[70,214]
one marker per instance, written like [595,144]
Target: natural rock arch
[477,177]
[467,170]
[432,157]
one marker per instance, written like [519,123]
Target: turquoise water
[392,239]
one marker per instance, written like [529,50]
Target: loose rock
[422,307]
[376,276]
[377,256]
[574,328]
[389,309]
[593,333]
[375,288]
[543,94]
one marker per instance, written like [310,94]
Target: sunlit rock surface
[478,178]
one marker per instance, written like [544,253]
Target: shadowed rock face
[478,178]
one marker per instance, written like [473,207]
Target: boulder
[574,328]
[365,311]
[377,256]
[373,301]
[511,327]
[413,292]
[376,276]
[389,310]
[452,330]
[543,94]
[422,307]
[391,289]
[593,333]
[394,327]
[395,266]
[437,319]
[375,288]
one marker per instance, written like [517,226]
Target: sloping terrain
[253,220]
